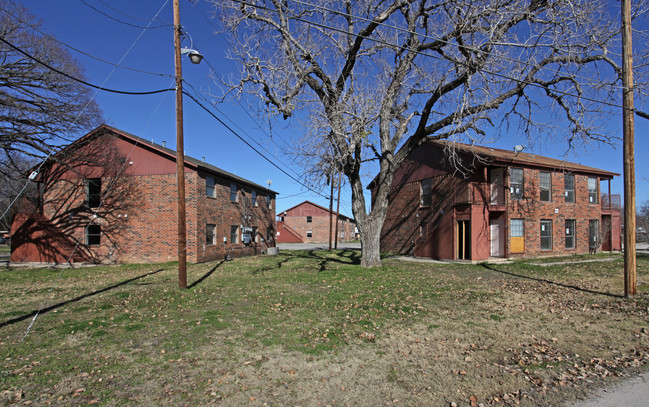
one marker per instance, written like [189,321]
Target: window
[570,233]
[254,234]
[309,219]
[210,234]
[426,192]
[93,235]
[592,190]
[569,182]
[254,198]
[517,235]
[93,192]
[309,233]
[516,183]
[209,187]
[545,185]
[233,193]
[234,234]
[268,200]
[546,234]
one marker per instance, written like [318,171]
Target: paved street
[315,246]
[633,392]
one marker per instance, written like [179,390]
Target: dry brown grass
[316,329]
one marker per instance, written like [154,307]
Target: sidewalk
[633,392]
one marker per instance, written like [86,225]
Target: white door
[495,238]
[497,186]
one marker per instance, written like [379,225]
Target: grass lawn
[4,249]
[310,328]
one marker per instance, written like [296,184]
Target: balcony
[611,202]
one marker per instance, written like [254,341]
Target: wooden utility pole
[331,207]
[630,277]
[337,210]
[180,154]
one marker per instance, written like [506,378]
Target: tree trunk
[371,243]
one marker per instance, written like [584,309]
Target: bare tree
[376,79]
[40,109]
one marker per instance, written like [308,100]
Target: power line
[250,145]
[123,22]
[122,92]
[33,27]
[397,28]
[522,81]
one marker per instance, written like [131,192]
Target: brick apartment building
[308,222]
[112,197]
[497,203]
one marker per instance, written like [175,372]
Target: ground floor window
[254,234]
[517,235]
[234,234]
[210,234]
[309,233]
[93,235]
[570,234]
[546,234]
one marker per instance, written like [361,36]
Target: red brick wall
[430,232]
[319,226]
[533,210]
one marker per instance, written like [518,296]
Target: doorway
[496,238]
[464,240]
[593,235]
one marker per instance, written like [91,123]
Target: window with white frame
[546,234]
[309,234]
[516,183]
[254,198]
[545,186]
[426,192]
[233,193]
[569,187]
[93,235]
[592,190]
[209,186]
[210,234]
[570,234]
[309,219]
[234,234]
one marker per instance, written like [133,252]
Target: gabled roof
[318,206]
[511,158]
[171,154]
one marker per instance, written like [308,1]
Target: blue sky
[75,23]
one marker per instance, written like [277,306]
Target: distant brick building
[497,203]
[308,222]
[112,197]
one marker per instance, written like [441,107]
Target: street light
[195,57]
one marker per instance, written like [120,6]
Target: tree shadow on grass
[206,275]
[543,280]
[318,255]
[73,300]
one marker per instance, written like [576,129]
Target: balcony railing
[611,202]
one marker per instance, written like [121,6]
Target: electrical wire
[122,92]
[496,74]
[33,27]
[123,22]
[189,95]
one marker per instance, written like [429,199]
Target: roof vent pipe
[164,143]
[203,159]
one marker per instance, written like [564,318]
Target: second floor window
[233,193]
[209,186]
[254,198]
[516,183]
[426,192]
[93,192]
[592,190]
[309,219]
[545,185]
[569,181]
